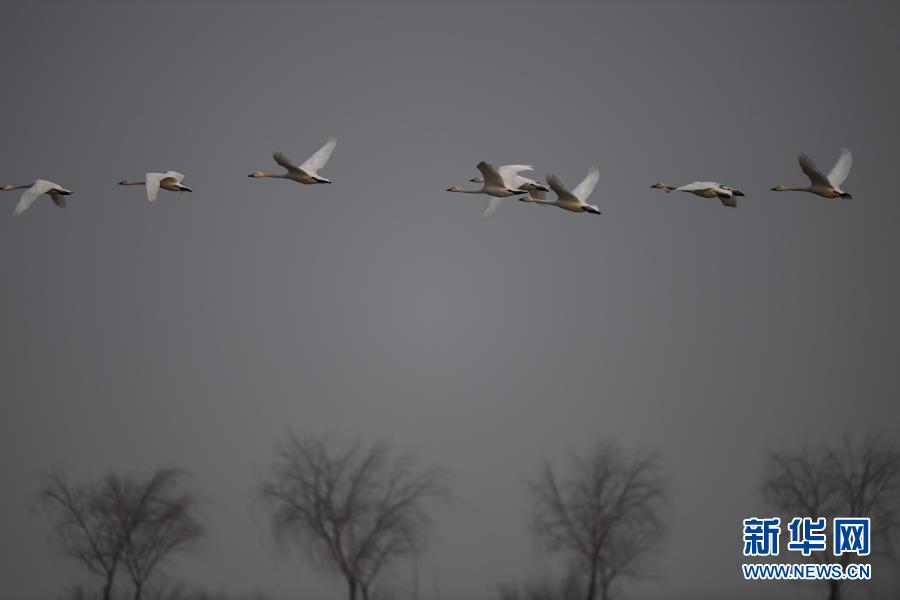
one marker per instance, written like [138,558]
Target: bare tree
[163,520]
[133,522]
[87,524]
[844,480]
[356,509]
[605,513]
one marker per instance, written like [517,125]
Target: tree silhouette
[604,513]
[87,524]
[133,522]
[841,480]
[355,509]
[163,520]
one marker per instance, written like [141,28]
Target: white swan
[494,185]
[40,186]
[705,189]
[170,180]
[308,172]
[514,181]
[574,200]
[827,187]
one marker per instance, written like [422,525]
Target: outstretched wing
[178,177]
[318,160]
[841,168]
[697,186]
[509,175]
[557,186]
[31,194]
[587,185]
[812,171]
[151,182]
[517,182]
[728,201]
[285,162]
[492,177]
[57,198]
[492,207]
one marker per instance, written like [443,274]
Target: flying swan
[308,172]
[514,181]
[494,185]
[827,187]
[39,187]
[574,200]
[705,189]
[170,180]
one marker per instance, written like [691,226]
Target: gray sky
[199,329]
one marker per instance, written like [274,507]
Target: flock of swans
[499,183]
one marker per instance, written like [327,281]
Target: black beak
[738,193]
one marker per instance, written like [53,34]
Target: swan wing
[696,186]
[728,201]
[812,171]
[524,183]
[318,160]
[31,194]
[285,162]
[587,185]
[492,177]
[57,198]
[515,168]
[515,182]
[492,207]
[509,173]
[561,192]
[841,168]
[178,177]
[151,182]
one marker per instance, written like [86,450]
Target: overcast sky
[199,329]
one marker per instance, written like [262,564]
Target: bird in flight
[493,184]
[39,187]
[826,186]
[308,172]
[574,200]
[705,189]
[170,180]
[514,181]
